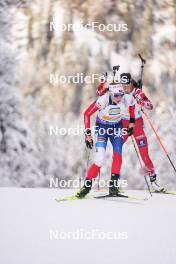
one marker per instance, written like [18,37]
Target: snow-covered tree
[18,164]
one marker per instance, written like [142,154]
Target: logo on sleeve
[142,143]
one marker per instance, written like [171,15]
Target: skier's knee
[99,157]
[99,161]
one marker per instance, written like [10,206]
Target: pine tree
[18,164]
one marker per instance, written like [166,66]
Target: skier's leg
[117,143]
[101,143]
[116,162]
[142,143]
[98,163]
[125,124]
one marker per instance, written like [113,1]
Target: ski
[165,192]
[74,198]
[120,196]
[69,198]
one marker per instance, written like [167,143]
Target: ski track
[28,215]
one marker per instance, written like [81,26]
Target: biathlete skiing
[141,102]
[134,88]
[110,106]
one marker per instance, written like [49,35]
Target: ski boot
[155,185]
[85,189]
[114,189]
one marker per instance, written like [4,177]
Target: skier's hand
[88,139]
[148,105]
[145,104]
[139,84]
[130,130]
[89,142]
[134,83]
[101,89]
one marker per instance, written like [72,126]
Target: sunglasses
[118,95]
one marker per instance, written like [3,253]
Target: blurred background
[30,104]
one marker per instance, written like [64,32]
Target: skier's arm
[132,113]
[96,105]
[101,89]
[132,120]
[143,100]
[88,113]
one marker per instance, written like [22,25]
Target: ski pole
[142,65]
[98,186]
[159,140]
[87,165]
[134,145]
[115,70]
[88,158]
[87,161]
[143,61]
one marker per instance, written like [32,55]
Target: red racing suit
[139,133]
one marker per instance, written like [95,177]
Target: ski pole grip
[116,68]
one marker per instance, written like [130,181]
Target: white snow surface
[28,215]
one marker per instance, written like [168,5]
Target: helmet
[116,89]
[125,78]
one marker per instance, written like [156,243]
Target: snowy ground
[28,216]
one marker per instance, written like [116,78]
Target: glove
[130,131]
[140,97]
[88,139]
[101,89]
[134,83]
[139,84]
[148,105]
